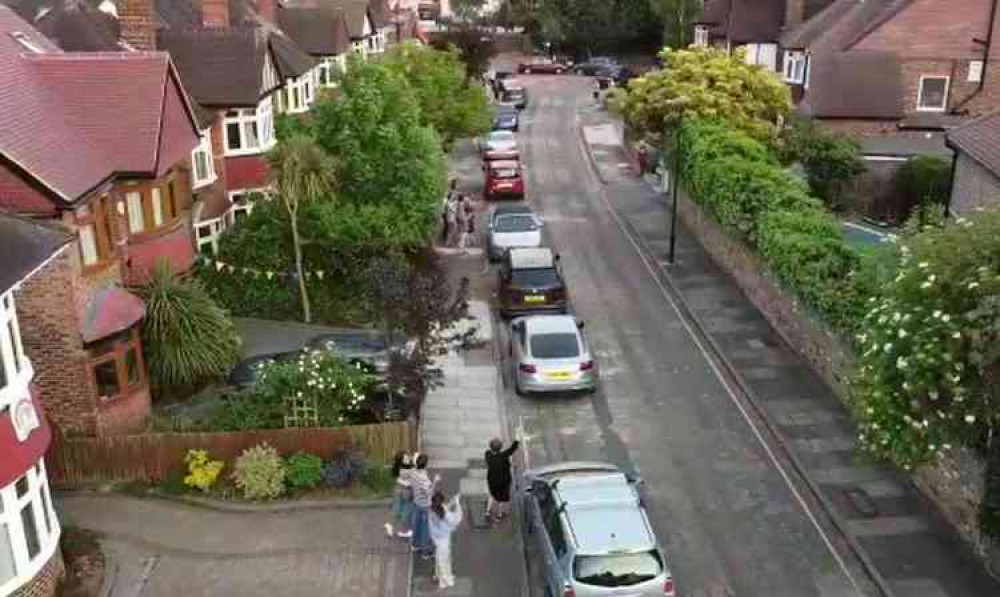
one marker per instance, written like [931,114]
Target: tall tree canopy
[586,27]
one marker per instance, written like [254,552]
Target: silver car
[513,226]
[498,145]
[550,354]
[587,523]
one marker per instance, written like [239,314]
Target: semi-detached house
[99,144]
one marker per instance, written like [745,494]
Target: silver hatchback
[551,354]
[586,522]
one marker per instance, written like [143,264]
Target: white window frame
[975,71]
[262,116]
[700,35]
[204,148]
[298,94]
[795,66]
[17,371]
[39,499]
[136,216]
[944,96]
[236,207]
[216,227]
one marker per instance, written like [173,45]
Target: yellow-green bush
[203,472]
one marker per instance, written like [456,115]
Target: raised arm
[513,448]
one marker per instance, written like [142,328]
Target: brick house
[368,36]
[322,32]
[30,559]
[754,25]
[879,67]
[976,177]
[98,142]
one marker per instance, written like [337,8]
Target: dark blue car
[506,121]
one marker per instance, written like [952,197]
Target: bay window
[94,232]
[117,364]
[700,35]
[297,95]
[151,207]
[208,233]
[15,372]
[29,530]
[249,130]
[202,165]
[796,67]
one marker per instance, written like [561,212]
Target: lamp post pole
[673,192]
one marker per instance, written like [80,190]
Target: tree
[705,83]
[187,338]
[829,159]
[586,27]
[679,17]
[923,183]
[474,45]
[301,172]
[448,102]
[467,10]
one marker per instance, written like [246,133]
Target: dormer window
[796,67]
[26,42]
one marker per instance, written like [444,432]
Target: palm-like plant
[301,171]
[187,337]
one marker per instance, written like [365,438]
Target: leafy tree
[829,159]
[586,27]
[467,10]
[474,45]
[301,173]
[705,83]
[448,102]
[187,338]
[679,17]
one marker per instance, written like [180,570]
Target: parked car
[516,95]
[506,119]
[550,354]
[513,226]
[613,75]
[498,78]
[503,178]
[246,373]
[594,64]
[499,145]
[588,520]
[542,64]
[355,345]
[531,281]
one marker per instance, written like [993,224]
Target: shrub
[344,468]
[829,159]
[260,473]
[202,472]
[922,181]
[378,478]
[303,471]
[187,337]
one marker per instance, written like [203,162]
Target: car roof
[550,324]
[527,258]
[502,164]
[604,513]
[504,134]
[511,208]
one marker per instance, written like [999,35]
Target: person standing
[447,224]
[444,519]
[423,488]
[451,220]
[402,466]
[463,214]
[499,477]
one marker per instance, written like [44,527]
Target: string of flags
[223,267]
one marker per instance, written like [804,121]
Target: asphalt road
[730,516]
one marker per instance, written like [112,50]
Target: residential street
[733,515]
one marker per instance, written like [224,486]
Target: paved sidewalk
[457,422]
[160,548]
[908,544]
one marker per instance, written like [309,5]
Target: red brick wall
[48,321]
[933,29]
[215,13]
[125,415]
[175,245]
[46,581]
[18,196]
[135,18]
[246,172]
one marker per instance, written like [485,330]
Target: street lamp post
[671,253]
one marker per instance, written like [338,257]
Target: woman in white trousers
[444,518]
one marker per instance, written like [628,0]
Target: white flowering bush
[927,345]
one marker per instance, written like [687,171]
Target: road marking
[715,368]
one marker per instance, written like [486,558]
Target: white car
[499,145]
[513,226]
[551,354]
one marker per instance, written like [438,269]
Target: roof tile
[980,140]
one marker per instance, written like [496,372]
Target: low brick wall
[47,581]
[955,483]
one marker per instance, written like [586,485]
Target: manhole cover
[861,502]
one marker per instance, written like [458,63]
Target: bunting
[231,269]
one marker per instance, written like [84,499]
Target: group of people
[427,517]
[459,218]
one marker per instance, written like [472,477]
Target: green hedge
[741,183]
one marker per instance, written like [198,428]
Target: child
[444,519]
[402,466]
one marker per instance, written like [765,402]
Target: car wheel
[518,390]
[559,71]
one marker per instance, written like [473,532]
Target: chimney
[268,10]
[135,21]
[215,13]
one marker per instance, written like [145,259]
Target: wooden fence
[153,457]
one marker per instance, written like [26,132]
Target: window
[243,201]
[975,71]
[209,233]
[297,94]
[29,530]
[117,364]
[13,375]
[700,35]
[151,207]
[202,166]
[250,131]
[796,64]
[94,230]
[933,94]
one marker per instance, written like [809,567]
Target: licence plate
[505,185]
[559,375]
[534,298]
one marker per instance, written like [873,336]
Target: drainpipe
[986,58]
[951,181]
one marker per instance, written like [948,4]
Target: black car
[369,347]
[498,78]
[613,75]
[592,66]
[531,281]
[506,120]
[246,373]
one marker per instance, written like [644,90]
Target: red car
[542,65]
[503,179]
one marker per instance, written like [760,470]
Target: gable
[178,129]
[269,77]
[367,29]
[929,29]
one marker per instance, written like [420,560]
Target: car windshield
[517,223]
[541,277]
[502,137]
[617,570]
[555,346]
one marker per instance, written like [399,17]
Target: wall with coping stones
[955,483]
